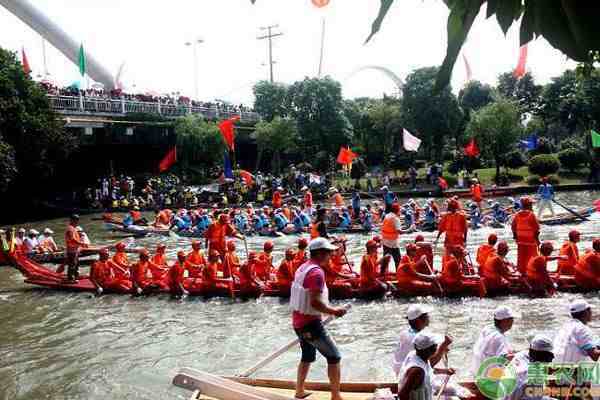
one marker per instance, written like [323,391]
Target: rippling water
[78,346]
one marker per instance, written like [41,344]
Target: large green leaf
[507,12]
[383,10]
[461,18]
[583,21]
[492,6]
[528,29]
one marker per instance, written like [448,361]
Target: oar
[571,211]
[267,360]
[246,246]
[435,279]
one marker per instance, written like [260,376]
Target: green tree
[386,118]
[276,137]
[199,142]
[497,129]
[434,115]
[269,99]
[317,106]
[524,91]
[32,137]
[475,95]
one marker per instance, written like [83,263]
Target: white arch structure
[54,34]
[385,71]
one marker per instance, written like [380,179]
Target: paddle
[245,246]
[433,274]
[571,211]
[267,360]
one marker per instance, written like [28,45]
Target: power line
[270,35]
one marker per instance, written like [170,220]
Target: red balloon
[320,3]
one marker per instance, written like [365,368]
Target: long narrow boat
[567,217]
[204,385]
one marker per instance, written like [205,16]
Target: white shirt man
[31,242]
[418,319]
[540,350]
[492,341]
[575,341]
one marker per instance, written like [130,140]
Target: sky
[150,36]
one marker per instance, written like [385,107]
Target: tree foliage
[544,164]
[270,99]
[276,137]
[199,142]
[524,90]
[32,137]
[497,128]
[435,116]
[475,95]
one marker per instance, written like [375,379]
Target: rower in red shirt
[423,249]
[370,267]
[264,264]
[104,276]
[210,279]
[159,257]
[195,260]
[285,274]
[177,275]
[454,225]
[140,273]
[497,270]
[453,278]
[248,283]
[537,271]
[486,250]
[300,257]
[120,257]
[571,252]
[587,270]
[231,264]
[409,280]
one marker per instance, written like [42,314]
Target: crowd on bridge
[174,99]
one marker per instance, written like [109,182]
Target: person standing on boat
[391,228]
[309,299]
[545,195]
[526,232]
[477,192]
[73,244]
[416,377]
[575,341]
[454,225]
[388,199]
[492,341]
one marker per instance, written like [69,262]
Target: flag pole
[322,47]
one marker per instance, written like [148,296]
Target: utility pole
[270,35]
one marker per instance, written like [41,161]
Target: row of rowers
[419,350]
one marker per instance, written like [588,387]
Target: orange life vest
[537,272]
[72,238]
[388,228]
[338,200]
[284,273]
[454,224]
[484,252]
[569,249]
[368,269]
[526,227]
[477,192]
[277,202]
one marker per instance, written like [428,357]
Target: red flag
[26,67]
[169,159]
[226,128]
[471,149]
[521,68]
[346,156]
[247,177]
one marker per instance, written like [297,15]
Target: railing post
[122,105]
[80,102]
[159,107]
[189,108]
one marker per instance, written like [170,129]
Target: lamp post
[194,45]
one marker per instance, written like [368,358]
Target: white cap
[424,340]
[22,230]
[503,312]
[79,229]
[578,305]
[304,188]
[384,188]
[33,232]
[416,310]
[2,231]
[48,231]
[541,343]
[320,243]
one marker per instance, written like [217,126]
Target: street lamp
[194,46]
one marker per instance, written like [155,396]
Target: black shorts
[394,252]
[313,337]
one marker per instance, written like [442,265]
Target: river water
[56,345]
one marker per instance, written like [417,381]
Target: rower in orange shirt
[496,271]
[453,278]
[370,267]
[477,192]
[195,260]
[336,199]
[177,275]
[454,225]
[285,273]
[423,249]
[526,232]
[308,198]
[102,274]
[277,198]
[571,252]
[210,280]
[587,270]
[217,233]
[120,257]
[537,271]
[231,264]
[159,257]
[140,273]
[264,265]
[300,257]
[248,283]
[409,280]
[486,250]
[163,218]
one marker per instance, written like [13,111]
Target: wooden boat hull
[568,218]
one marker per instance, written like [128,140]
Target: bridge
[82,106]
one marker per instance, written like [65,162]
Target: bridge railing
[91,105]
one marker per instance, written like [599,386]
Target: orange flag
[521,68]
[226,128]
[26,67]
[346,156]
